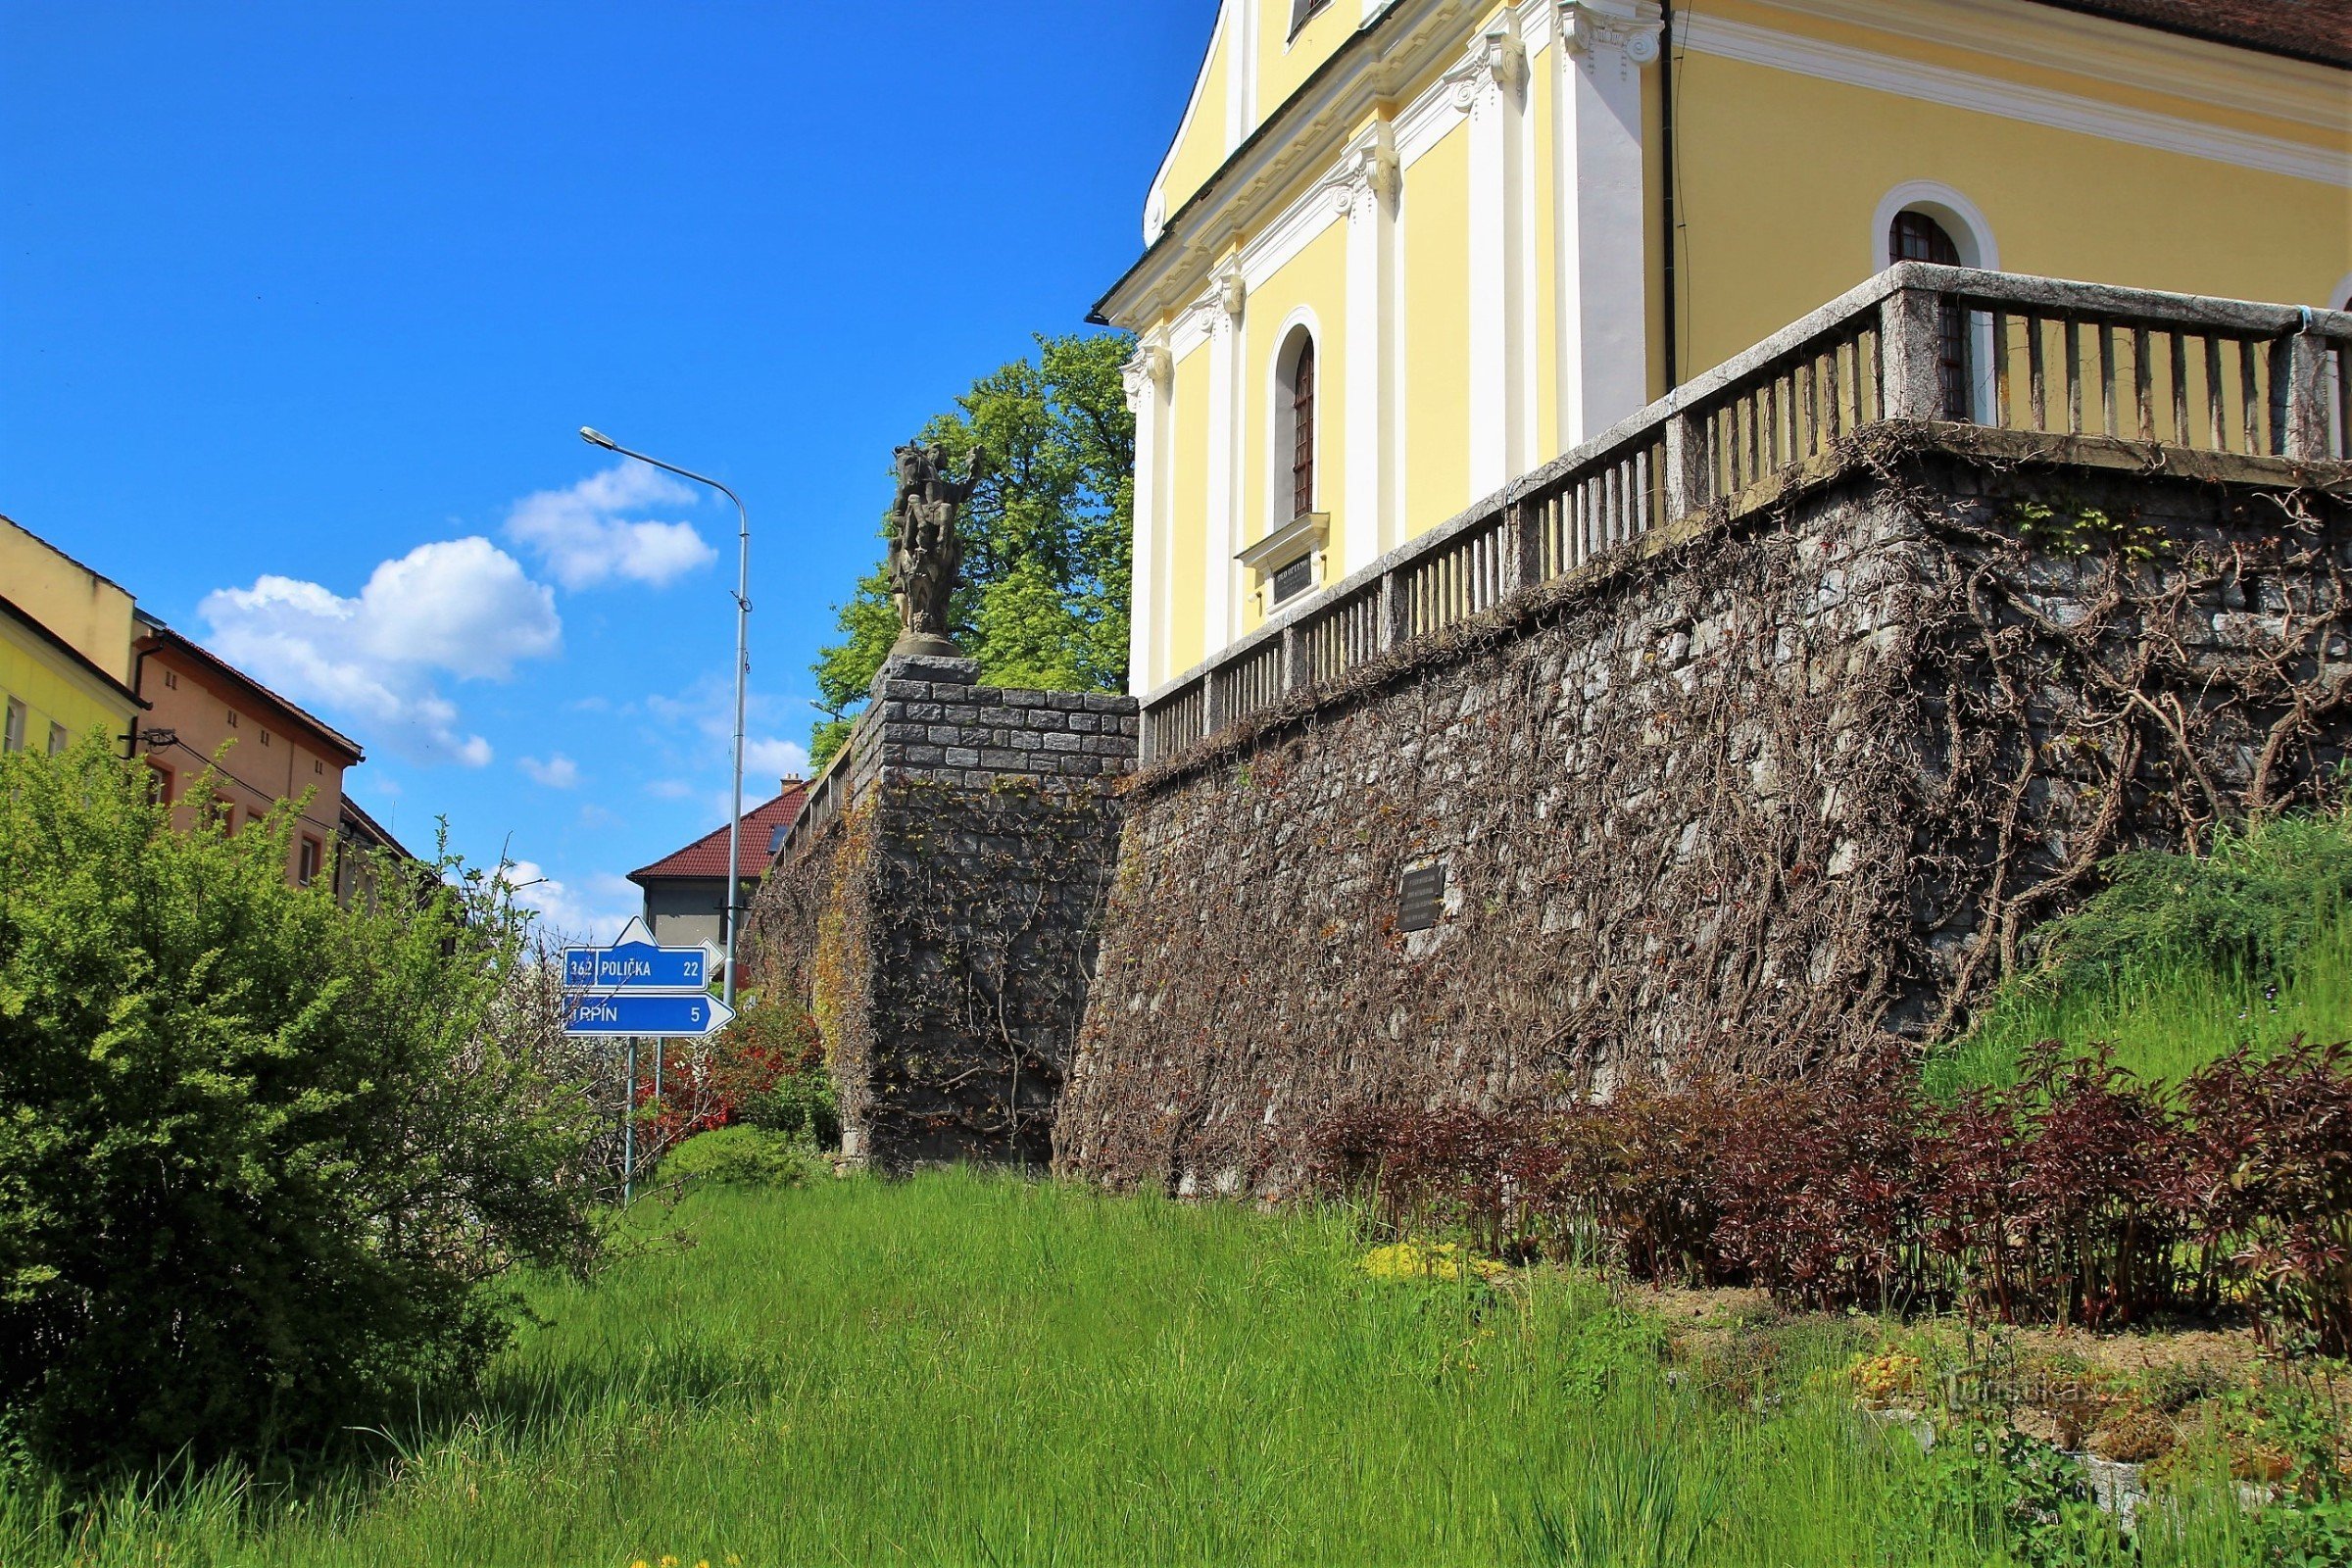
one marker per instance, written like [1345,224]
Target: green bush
[740,1155]
[800,1105]
[2250,906]
[262,1158]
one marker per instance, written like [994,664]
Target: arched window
[1918,237]
[1303,429]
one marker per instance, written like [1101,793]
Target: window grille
[1303,430]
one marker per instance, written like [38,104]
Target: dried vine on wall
[1794,783]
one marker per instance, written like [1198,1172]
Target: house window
[264,737]
[225,812]
[1304,12]
[318,767]
[1297,383]
[59,740]
[309,861]
[12,736]
[232,718]
[172,680]
[1918,237]
[161,783]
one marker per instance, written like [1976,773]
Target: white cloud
[669,789]
[591,911]
[459,607]
[774,759]
[558,772]
[583,538]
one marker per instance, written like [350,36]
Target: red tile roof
[705,858]
[2308,29]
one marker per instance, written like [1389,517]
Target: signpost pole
[660,1049]
[628,1128]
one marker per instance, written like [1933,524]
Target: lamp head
[596,438]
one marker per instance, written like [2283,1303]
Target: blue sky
[301,303]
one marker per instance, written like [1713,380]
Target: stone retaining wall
[1749,797]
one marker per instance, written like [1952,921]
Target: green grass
[962,1369]
[2182,958]
[2165,1017]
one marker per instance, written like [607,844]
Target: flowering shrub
[766,1069]
[2081,1195]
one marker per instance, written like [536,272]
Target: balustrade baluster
[2143,384]
[2249,391]
[2000,371]
[2178,343]
[2074,376]
[2038,390]
[2217,409]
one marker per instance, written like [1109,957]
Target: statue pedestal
[929,645]
[941,924]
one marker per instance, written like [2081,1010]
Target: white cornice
[1907,79]
[1412,36]
[2109,50]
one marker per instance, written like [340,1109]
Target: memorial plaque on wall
[1422,899]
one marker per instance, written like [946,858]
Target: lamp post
[743,611]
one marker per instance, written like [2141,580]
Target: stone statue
[925,555]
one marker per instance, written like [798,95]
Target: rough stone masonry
[1745,799]
[938,905]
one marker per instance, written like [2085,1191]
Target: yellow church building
[1405,251]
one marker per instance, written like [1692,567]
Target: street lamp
[743,610]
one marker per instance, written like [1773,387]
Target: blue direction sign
[637,967]
[644,1013]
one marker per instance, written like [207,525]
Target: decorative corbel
[1368,166]
[1146,369]
[1595,30]
[1499,58]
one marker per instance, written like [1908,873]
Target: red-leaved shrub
[2081,1195]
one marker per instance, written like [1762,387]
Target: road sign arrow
[642,1013]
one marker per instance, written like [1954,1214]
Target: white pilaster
[1601,282]
[1492,85]
[1369,185]
[1240,71]
[1224,462]
[1147,374]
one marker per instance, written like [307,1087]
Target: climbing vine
[1746,803]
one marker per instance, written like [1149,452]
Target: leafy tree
[261,1156]
[1046,537]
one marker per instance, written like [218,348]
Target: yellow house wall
[1284,62]
[1782,175]
[1187,522]
[1199,148]
[1316,278]
[1434,215]
[53,691]
[2191,65]
[85,609]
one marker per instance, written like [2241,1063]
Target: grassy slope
[2166,1019]
[957,1369]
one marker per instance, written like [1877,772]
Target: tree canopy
[1046,537]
